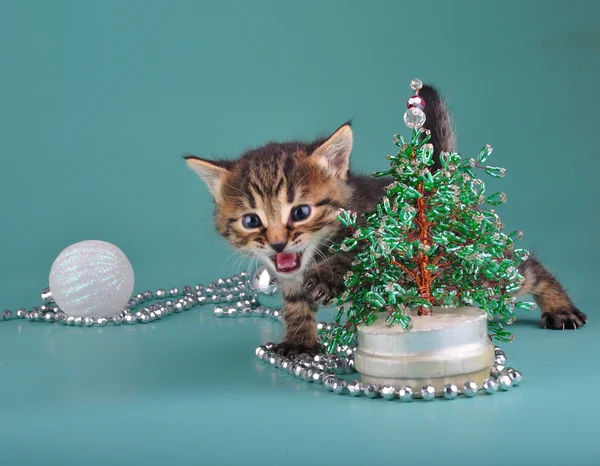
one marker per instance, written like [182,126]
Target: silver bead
[144,318]
[515,376]
[132,303]
[268,312]
[161,293]
[276,314]
[215,299]
[201,300]
[78,322]
[173,292]
[130,319]
[317,376]
[21,313]
[61,318]
[328,381]
[500,360]
[504,382]
[299,370]
[43,309]
[318,362]
[178,306]
[286,364]
[29,316]
[269,345]
[340,387]
[371,390]
[405,394]
[489,386]
[188,304]
[70,320]
[267,356]
[334,364]
[140,297]
[219,312]
[49,316]
[229,298]
[496,370]
[307,375]
[199,288]
[259,351]
[388,392]
[158,314]
[231,312]
[428,392]
[148,295]
[186,289]
[469,389]
[47,295]
[321,326]
[152,316]
[273,359]
[355,388]
[117,320]
[305,359]
[88,321]
[36,315]
[7,315]
[258,312]
[450,391]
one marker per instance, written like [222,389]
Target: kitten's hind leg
[558,311]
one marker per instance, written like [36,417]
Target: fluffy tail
[439,122]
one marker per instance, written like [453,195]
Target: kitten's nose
[278,247]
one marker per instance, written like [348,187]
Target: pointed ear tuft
[334,154]
[211,172]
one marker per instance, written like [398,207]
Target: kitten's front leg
[325,281]
[299,316]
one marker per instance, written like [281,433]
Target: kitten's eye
[300,213]
[251,221]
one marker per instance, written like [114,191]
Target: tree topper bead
[414,118]
[416,101]
[416,84]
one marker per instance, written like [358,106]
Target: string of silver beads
[235,291]
[325,369]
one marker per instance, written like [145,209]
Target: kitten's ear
[211,172]
[334,154]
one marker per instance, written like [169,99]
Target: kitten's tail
[439,122]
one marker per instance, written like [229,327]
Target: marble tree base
[451,346]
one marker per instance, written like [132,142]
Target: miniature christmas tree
[430,242]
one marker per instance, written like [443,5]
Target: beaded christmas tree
[430,242]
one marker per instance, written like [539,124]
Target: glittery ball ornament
[91,279]
[414,118]
[262,282]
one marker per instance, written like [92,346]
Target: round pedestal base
[451,346]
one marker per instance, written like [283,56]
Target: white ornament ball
[91,279]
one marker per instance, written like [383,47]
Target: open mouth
[287,262]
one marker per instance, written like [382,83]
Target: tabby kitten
[279,203]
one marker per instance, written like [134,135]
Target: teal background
[99,100]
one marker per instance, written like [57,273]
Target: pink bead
[415,101]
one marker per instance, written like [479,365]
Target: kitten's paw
[292,350]
[318,290]
[564,319]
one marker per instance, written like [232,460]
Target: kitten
[279,202]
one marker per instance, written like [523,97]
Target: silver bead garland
[237,296]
